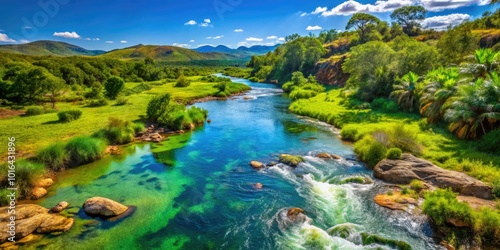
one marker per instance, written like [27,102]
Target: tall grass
[84,149]
[69,115]
[54,156]
[118,132]
[26,173]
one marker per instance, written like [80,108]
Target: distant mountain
[240,51]
[49,48]
[166,53]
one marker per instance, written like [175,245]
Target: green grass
[36,132]
[438,144]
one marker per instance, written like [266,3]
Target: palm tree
[476,109]
[483,65]
[442,84]
[405,92]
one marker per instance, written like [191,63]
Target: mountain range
[158,52]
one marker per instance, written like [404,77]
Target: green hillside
[165,53]
[49,48]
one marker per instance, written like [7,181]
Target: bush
[139,127]
[442,205]
[394,153]
[54,156]
[114,85]
[32,111]
[26,173]
[98,103]
[197,115]
[69,115]
[118,132]
[487,225]
[370,151]
[490,142]
[349,134]
[4,199]
[253,79]
[417,185]
[121,101]
[182,81]
[496,189]
[221,86]
[405,138]
[300,93]
[82,150]
[157,106]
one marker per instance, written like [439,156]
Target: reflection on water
[196,190]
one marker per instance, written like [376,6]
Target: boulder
[257,165]
[294,212]
[328,156]
[38,192]
[100,206]
[44,183]
[23,211]
[257,185]
[55,223]
[291,160]
[59,207]
[409,168]
[396,201]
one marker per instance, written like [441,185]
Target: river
[195,191]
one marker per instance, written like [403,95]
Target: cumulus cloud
[443,22]
[110,42]
[123,41]
[97,39]
[272,37]
[313,27]
[254,39]
[215,37]
[204,25]
[191,41]
[238,30]
[87,39]
[281,39]
[191,22]
[207,20]
[319,10]
[6,39]
[182,45]
[440,5]
[70,35]
[303,14]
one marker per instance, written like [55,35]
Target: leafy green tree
[455,44]
[31,84]
[406,92]
[442,83]
[475,110]
[182,81]
[114,85]
[157,106]
[363,23]
[408,17]
[414,56]
[54,86]
[485,62]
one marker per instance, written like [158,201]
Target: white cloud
[204,44]
[123,41]
[182,45]
[242,44]
[442,22]
[272,37]
[6,39]
[191,22]
[303,14]
[439,5]
[27,27]
[192,41]
[87,39]
[254,39]
[207,20]
[204,25]
[70,35]
[313,27]
[238,30]
[319,10]
[215,37]
[97,39]
[281,39]
[110,42]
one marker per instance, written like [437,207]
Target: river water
[196,190]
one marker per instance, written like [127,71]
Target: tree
[457,43]
[408,17]
[485,62]
[363,23]
[157,106]
[442,83]
[30,84]
[182,81]
[53,85]
[114,85]
[405,92]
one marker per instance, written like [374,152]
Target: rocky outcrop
[59,207]
[291,160]
[328,156]
[99,206]
[331,73]
[395,201]
[38,192]
[257,165]
[31,218]
[44,183]
[410,168]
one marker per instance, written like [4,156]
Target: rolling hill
[49,48]
[240,51]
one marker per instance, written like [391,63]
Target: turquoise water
[196,190]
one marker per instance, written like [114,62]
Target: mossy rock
[357,179]
[343,231]
[369,239]
[291,160]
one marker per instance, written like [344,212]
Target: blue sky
[113,24]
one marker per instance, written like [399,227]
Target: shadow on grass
[52,122]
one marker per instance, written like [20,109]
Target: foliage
[364,24]
[457,43]
[442,205]
[69,115]
[417,185]
[120,101]
[441,84]
[490,142]
[408,17]
[98,102]
[113,86]
[157,106]
[182,81]
[369,239]
[84,149]
[173,115]
[406,92]
[394,153]
[370,151]
[349,134]
[32,111]
[54,156]
[26,173]
[117,132]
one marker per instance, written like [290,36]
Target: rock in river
[59,207]
[257,165]
[409,168]
[103,207]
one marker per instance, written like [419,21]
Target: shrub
[288,87]
[82,150]
[69,115]
[32,111]
[376,153]
[253,79]
[417,185]
[404,190]
[139,127]
[490,142]
[487,224]
[394,153]
[197,115]
[117,132]
[221,86]
[442,205]
[114,85]
[349,134]
[157,106]
[121,101]
[291,160]
[26,173]
[391,107]
[405,138]
[300,93]
[4,199]
[182,81]
[496,189]
[98,103]
[54,156]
